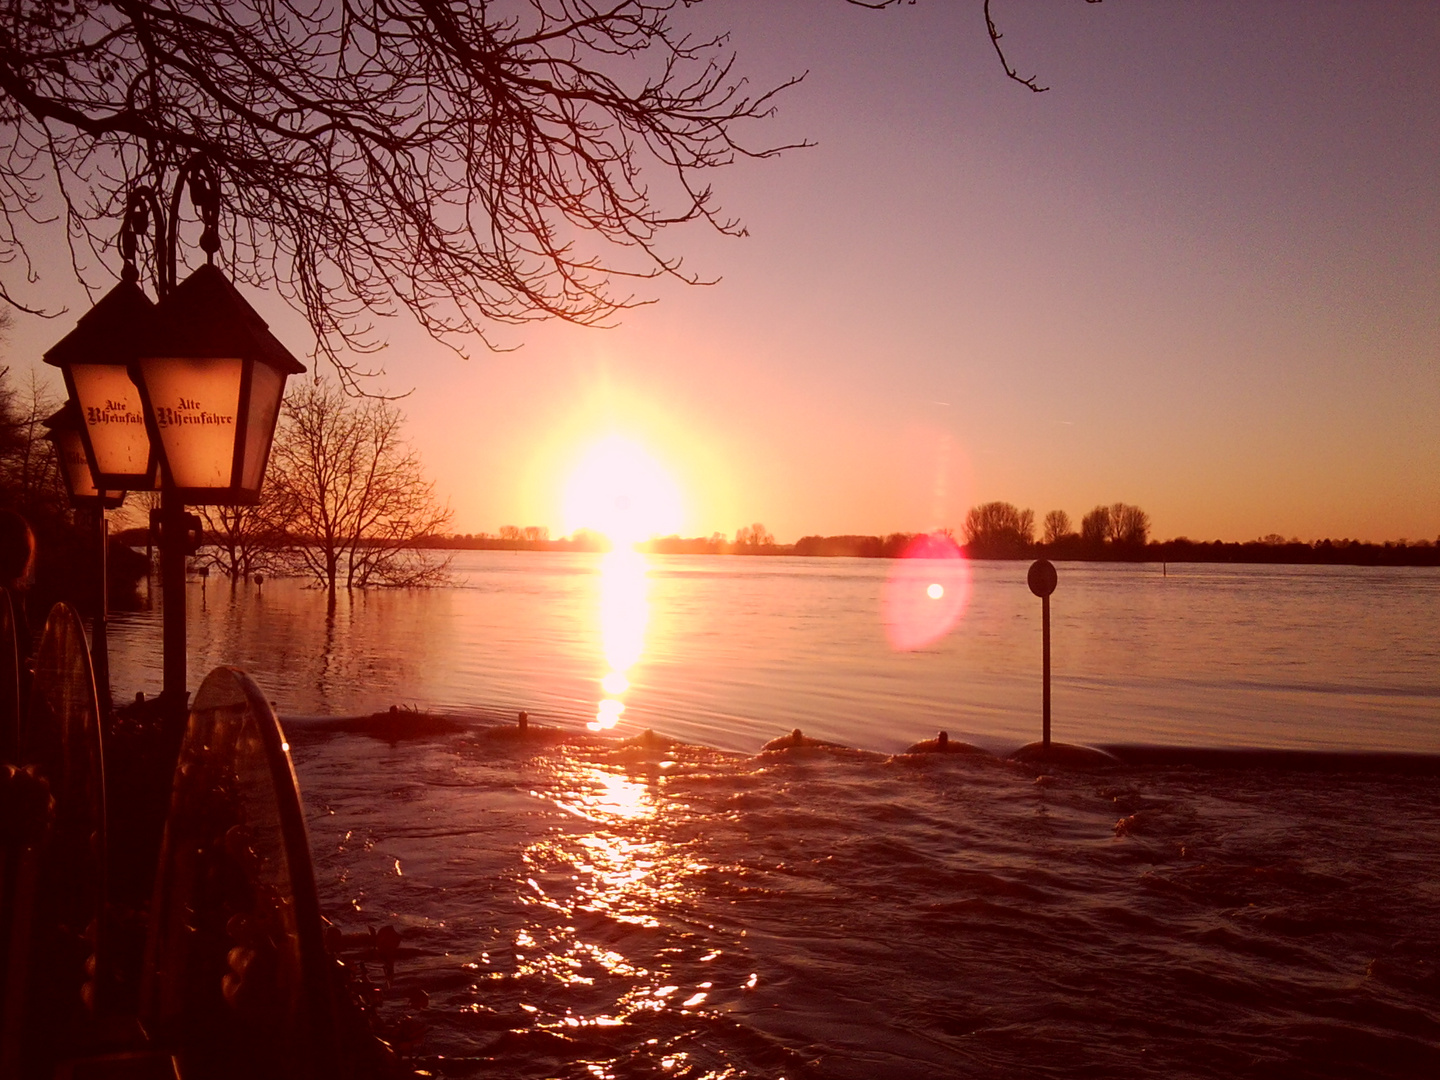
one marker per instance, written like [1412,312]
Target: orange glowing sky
[1200,274]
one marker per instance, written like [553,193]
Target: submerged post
[171,519]
[1042,579]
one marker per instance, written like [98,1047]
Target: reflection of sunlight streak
[617,870]
[623,609]
[624,613]
[926,593]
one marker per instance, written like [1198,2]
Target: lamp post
[63,430]
[193,384]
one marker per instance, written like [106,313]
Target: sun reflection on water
[624,613]
[599,893]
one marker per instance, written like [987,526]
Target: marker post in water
[1042,579]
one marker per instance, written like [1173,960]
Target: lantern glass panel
[267,387]
[196,403]
[110,408]
[77,468]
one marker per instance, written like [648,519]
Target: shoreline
[403,725]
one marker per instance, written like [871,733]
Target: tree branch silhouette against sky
[472,163]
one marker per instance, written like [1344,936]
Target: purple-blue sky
[1200,274]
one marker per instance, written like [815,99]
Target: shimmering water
[590,912]
[732,651]
[602,909]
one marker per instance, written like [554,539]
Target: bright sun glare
[620,490]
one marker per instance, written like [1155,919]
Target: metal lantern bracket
[143,206]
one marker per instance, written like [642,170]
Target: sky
[1200,274]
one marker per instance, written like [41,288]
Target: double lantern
[192,386]
[182,396]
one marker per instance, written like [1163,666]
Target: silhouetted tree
[1119,524]
[1057,526]
[30,480]
[243,540]
[753,536]
[998,529]
[1095,527]
[1129,526]
[352,492]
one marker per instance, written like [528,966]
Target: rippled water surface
[617,912]
[609,906]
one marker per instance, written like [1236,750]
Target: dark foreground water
[610,911]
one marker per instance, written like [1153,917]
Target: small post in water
[1042,579]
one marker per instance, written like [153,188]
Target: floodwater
[626,907]
[732,651]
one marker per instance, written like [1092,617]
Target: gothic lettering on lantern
[112,412]
[189,411]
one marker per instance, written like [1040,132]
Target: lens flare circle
[927,592]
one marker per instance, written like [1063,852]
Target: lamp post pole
[99,629]
[192,385]
[172,593]
[172,522]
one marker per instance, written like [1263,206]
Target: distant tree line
[753,539]
[999,530]
[994,530]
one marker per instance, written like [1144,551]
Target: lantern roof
[110,332]
[205,316]
[67,416]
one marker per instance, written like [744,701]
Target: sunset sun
[617,488]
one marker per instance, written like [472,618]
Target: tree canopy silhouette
[1119,524]
[998,529]
[350,494]
[475,163]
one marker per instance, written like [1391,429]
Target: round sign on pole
[1042,577]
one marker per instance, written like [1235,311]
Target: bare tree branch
[990,28]
[473,163]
